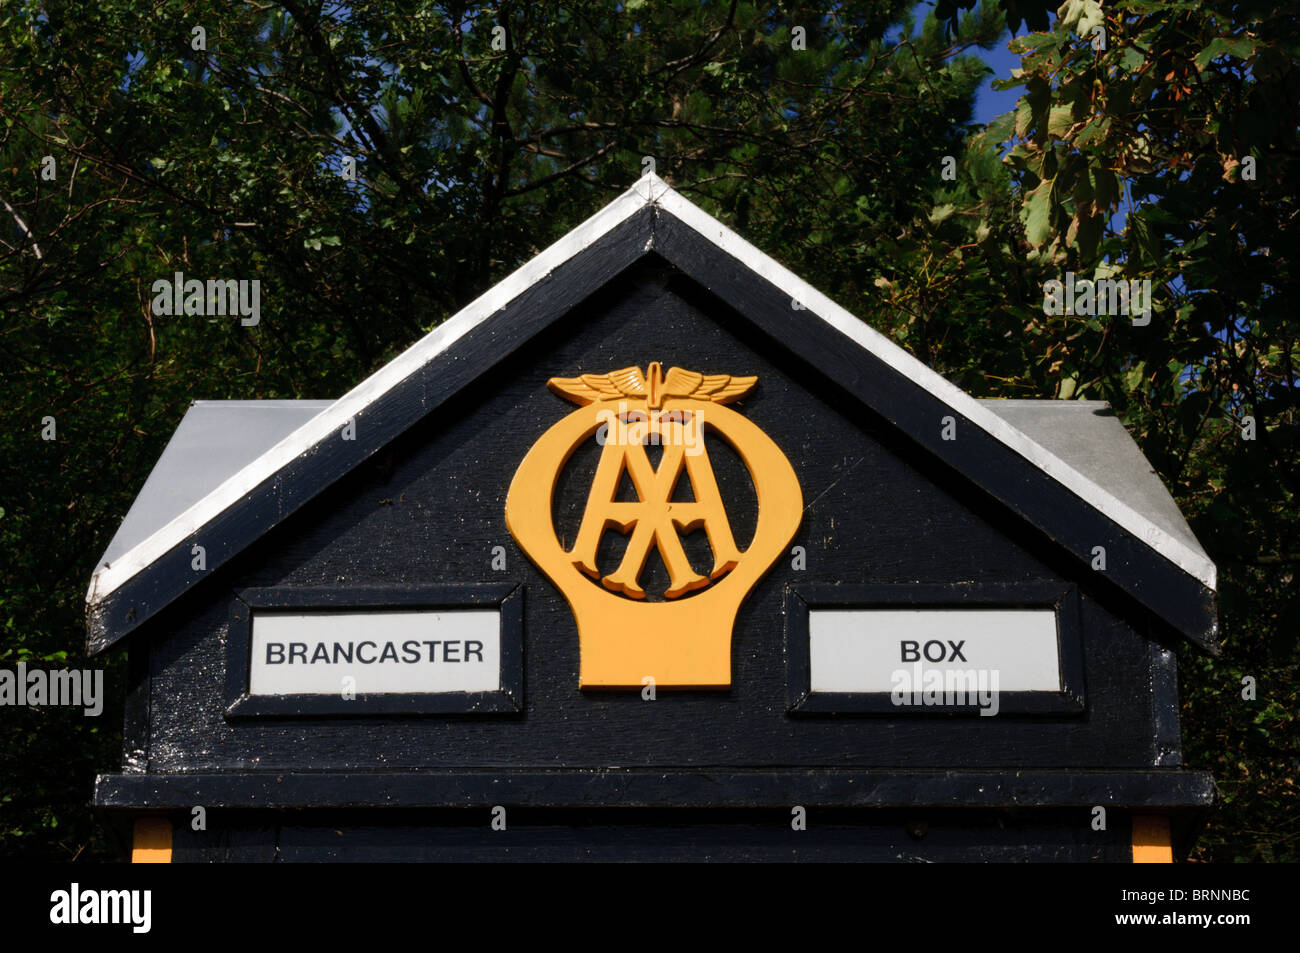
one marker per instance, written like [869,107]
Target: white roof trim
[1177,552]
[333,418]
[649,190]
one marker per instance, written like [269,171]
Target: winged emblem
[654,387]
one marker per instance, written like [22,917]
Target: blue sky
[989,102]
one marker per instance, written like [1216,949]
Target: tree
[375,166]
[1182,116]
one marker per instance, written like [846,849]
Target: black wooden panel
[1155,790]
[135,720]
[230,838]
[429,509]
[667,835]
[1165,706]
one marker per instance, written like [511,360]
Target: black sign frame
[801,599]
[506,597]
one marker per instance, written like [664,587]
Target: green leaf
[1024,116]
[1037,214]
[941,213]
[1222,46]
[1059,120]
[1000,128]
[1134,379]
[1095,130]
[1081,16]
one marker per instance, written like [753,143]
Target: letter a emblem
[627,635]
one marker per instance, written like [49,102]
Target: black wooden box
[1026,539]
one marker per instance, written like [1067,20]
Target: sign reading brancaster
[627,641]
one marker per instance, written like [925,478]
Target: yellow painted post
[1151,840]
[152,841]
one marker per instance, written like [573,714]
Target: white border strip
[1176,551]
[648,190]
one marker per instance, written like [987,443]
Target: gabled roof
[1067,467]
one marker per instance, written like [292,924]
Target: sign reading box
[430,649]
[934,649]
[878,650]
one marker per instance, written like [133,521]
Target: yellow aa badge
[627,636]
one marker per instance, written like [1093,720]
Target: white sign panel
[387,652]
[879,650]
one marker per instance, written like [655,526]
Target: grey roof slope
[1088,436]
[217,438]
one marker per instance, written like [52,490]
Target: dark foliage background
[471,156]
